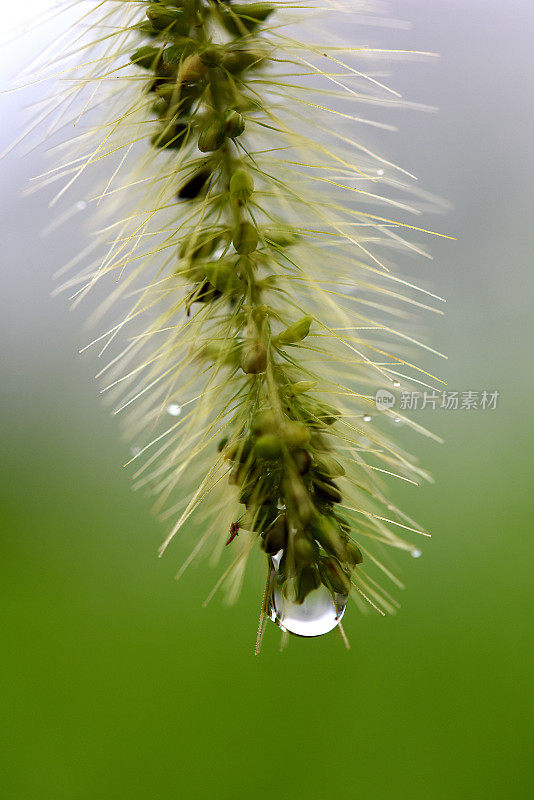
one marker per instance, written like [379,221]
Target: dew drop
[317,615]
[396,384]
[174,410]
[81,205]
[320,613]
[397,420]
[415,553]
[367,418]
[380,172]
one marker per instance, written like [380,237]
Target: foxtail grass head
[252,307]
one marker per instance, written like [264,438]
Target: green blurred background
[118,684]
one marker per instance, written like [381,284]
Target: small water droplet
[415,553]
[397,420]
[380,172]
[396,384]
[81,205]
[367,418]
[174,410]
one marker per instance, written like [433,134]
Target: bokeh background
[116,682]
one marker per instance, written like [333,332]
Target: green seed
[236,61]
[354,554]
[235,124]
[327,465]
[327,533]
[308,581]
[245,239]
[302,460]
[211,137]
[302,386]
[163,19]
[211,56]
[241,185]
[147,57]
[239,18]
[268,446]
[333,576]
[296,434]
[222,276]
[296,332]
[276,536]
[305,551]
[254,359]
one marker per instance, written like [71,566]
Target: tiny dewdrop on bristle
[248,247]
[415,553]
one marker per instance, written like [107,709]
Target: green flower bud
[245,239]
[235,61]
[305,551]
[241,185]
[296,434]
[199,245]
[147,57]
[211,137]
[302,386]
[254,359]
[240,18]
[222,276]
[296,332]
[308,581]
[333,576]
[234,123]
[354,554]
[192,69]
[326,465]
[268,446]
[163,19]
[327,490]
[211,56]
[327,533]
[265,423]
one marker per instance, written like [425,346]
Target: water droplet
[396,384]
[81,205]
[397,420]
[415,553]
[380,172]
[174,409]
[318,614]
[367,418]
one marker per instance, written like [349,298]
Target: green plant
[259,302]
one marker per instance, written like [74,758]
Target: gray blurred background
[118,684]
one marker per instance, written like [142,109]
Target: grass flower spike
[250,305]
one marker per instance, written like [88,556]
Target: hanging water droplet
[367,418]
[396,384]
[380,172]
[81,205]
[415,553]
[320,612]
[174,410]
